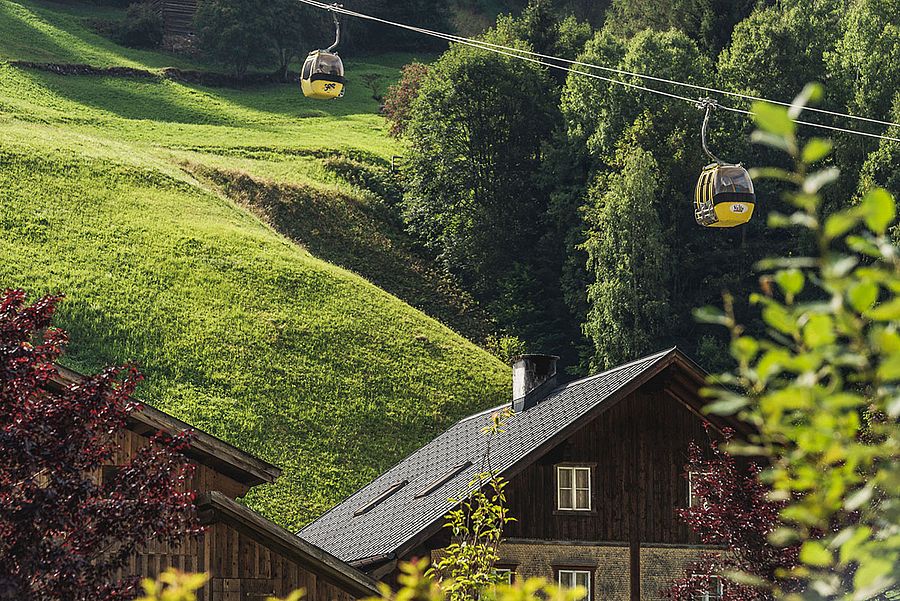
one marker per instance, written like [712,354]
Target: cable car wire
[453,37]
[518,54]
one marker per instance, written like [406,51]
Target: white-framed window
[715,591]
[573,488]
[573,578]
[693,499]
[504,575]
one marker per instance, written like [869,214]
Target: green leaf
[889,370]
[819,179]
[811,93]
[745,348]
[710,314]
[816,150]
[773,119]
[871,571]
[783,536]
[840,223]
[785,263]
[727,406]
[814,553]
[790,281]
[774,173]
[889,311]
[863,246]
[878,209]
[858,498]
[746,578]
[862,296]
[778,317]
[767,139]
[799,514]
[893,407]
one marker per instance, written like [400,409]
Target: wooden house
[595,470]
[177,16]
[247,557]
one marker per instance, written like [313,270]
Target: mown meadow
[111,192]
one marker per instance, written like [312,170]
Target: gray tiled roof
[397,519]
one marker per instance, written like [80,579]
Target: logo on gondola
[738,208]
[330,86]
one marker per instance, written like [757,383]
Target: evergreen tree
[627,256]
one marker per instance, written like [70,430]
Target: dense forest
[564,203]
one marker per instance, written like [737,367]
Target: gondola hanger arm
[337,27]
[707,105]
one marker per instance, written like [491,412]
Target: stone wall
[661,565]
[609,563]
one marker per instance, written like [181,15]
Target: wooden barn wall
[240,568]
[638,449]
[244,569]
[205,478]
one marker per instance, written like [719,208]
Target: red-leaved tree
[63,533]
[730,508]
[400,96]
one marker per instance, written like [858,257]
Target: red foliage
[731,510]
[63,535]
[399,98]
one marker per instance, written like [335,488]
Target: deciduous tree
[400,97]
[628,299]
[730,508]
[236,33]
[476,134]
[63,531]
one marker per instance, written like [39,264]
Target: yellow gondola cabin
[724,196]
[322,76]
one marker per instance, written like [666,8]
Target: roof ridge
[657,355]
[480,413]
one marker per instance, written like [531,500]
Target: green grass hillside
[240,330]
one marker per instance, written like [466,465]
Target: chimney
[534,376]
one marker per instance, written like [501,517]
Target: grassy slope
[239,331]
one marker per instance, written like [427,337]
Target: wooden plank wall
[639,448]
[178,15]
[243,570]
[205,478]
[240,568]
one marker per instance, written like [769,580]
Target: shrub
[820,386]
[66,535]
[235,33]
[142,27]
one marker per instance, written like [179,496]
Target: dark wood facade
[246,556]
[636,451]
[631,541]
[177,15]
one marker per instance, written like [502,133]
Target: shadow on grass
[357,235]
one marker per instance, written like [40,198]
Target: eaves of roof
[217,507]
[203,447]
